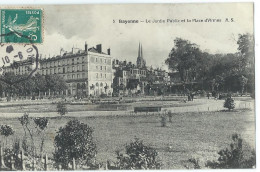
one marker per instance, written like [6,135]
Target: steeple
[139,54]
[141,51]
[140,62]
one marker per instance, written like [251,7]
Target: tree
[62,108]
[229,103]
[25,121]
[183,58]
[6,131]
[243,81]
[41,124]
[40,83]
[238,155]
[75,140]
[138,156]
[55,83]
[246,47]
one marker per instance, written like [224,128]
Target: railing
[33,166]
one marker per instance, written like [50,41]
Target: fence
[22,165]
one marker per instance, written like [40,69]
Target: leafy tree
[229,103]
[40,83]
[183,58]
[246,47]
[41,124]
[6,131]
[238,155]
[25,121]
[62,108]
[138,156]
[55,83]
[75,140]
[243,81]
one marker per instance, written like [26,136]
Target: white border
[256,21]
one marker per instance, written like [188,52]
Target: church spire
[139,53]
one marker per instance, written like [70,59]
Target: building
[87,72]
[128,77]
[22,67]
[140,62]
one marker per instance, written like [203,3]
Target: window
[68,61]
[96,75]
[100,67]
[42,71]
[59,70]
[100,75]
[105,75]
[105,67]
[50,71]
[73,76]
[97,67]
[78,68]
[68,69]
[77,75]
[105,60]
[54,70]
[68,76]
[59,63]
[73,68]
[96,59]
[72,61]
[101,60]
[82,58]
[64,70]
[64,76]
[83,75]
[83,67]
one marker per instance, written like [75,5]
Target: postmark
[27,22]
[20,59]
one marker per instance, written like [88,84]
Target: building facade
[86,72]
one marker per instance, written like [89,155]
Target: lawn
[198,135]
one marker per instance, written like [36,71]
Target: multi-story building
[130,77]
[87,72]
[21,67]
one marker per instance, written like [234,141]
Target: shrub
[138,156]
[229,103]
[163,121]
[238,155]
[6,131]
[170,115]
[75,140]
[62,108]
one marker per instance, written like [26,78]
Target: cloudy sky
[68,26]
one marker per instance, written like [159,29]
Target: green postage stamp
[21,26]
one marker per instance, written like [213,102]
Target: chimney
[108,51]
[99,48]
[86,47]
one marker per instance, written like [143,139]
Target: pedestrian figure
[191,95]
[208,95]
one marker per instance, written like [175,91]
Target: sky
[70,26]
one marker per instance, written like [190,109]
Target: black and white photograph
[127,86]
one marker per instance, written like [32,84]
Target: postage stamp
[27,22]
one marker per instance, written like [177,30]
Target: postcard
[127,87]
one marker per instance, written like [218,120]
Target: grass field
[190,134]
